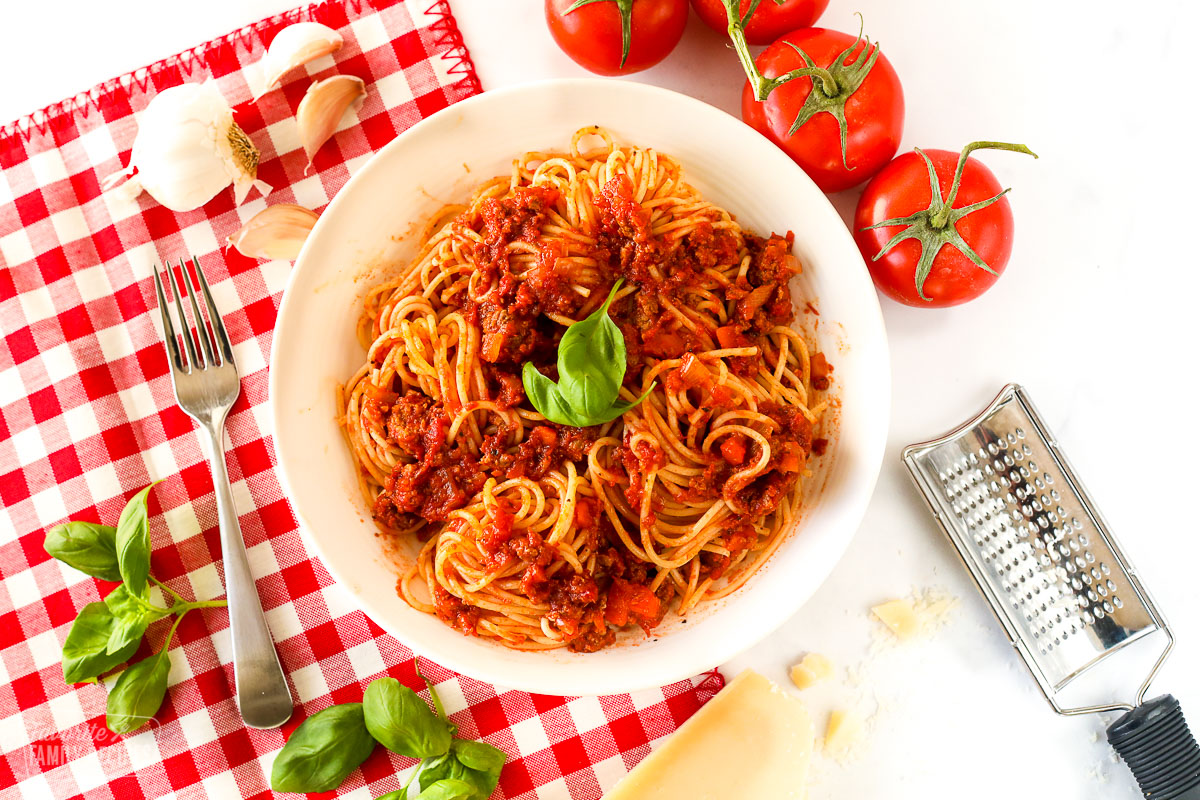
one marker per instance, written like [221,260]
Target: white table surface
[1096,315]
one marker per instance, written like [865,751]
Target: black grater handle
[1155,742]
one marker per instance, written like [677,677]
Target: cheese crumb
[898,616]
[932,607]
[812,669]
[843,731]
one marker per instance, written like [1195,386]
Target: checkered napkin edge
[87,418]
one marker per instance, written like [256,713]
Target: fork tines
[208,344]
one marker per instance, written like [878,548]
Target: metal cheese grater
[1065,593]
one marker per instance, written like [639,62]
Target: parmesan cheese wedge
[899,616]
[751,740]
[812,669]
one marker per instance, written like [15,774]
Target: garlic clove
[322,109]
[277,231]
[293,46]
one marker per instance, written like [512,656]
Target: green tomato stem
[941,217]
[625,10]
[761,84]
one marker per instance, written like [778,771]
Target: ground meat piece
[504,387]
[637,461]
[509,335]
[442,479]
[407,420]
[573,597]
[454,612]
[538,454]
[595,637]
[771,260]
[508,308]
[497,532]
[793,424]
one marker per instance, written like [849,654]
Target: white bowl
[370,228]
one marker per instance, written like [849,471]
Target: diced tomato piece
[664,344]
[497,530]
[741,539]
[729,336]
[585,512]
[820,369]
[616,610]
[631,602]
[733,449]
[645,606]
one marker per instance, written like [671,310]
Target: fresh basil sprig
[107,634]
[479,756]
[326,748]
[591,368]
[138,693]
[329,745]
[400,721]
[448,789]
[85,652]
[132,616]
[87,546]
[133,543]
[453,766]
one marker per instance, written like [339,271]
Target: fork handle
[262,691]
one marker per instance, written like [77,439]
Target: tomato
[930,266]
[869,96]
[770,20]
[594,37]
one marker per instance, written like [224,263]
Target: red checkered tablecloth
[87,418]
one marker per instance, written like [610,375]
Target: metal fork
[206,384]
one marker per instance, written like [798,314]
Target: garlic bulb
[188,148]
[322,109]
[277,231]
[295,45]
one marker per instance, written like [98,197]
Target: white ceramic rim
[572,675]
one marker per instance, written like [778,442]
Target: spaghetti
[542,535]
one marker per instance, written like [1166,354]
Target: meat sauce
[438,477]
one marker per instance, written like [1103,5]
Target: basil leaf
[448,789]
[399,794]
[591,361]
[326,748]
[449,767]
[620,408]
[544,395]
[478,755]
[87,546]
[399,719]
[85,652]
[591,368]
[138,693]
[133,543]
[130,616]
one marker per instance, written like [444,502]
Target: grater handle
[1155,742]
